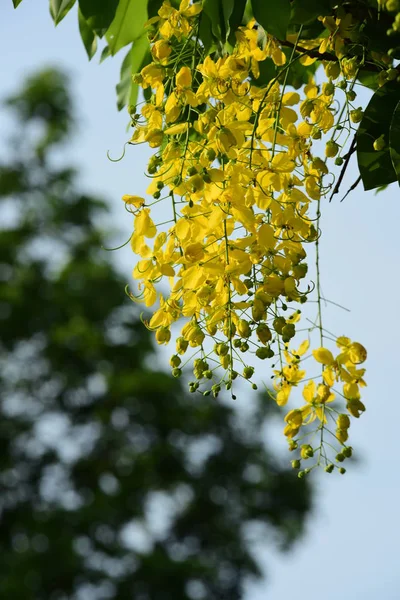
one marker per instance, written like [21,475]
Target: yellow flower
[137,201]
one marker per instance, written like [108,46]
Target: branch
[344,168]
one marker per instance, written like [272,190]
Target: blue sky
[351,546]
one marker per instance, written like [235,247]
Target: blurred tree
[114,482]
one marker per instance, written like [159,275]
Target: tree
[237,161]
[115,482]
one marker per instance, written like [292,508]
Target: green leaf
[306,11]
[236,19]
[205,34]
[59,9]
[88,36]
[105,53]
[394,140]
[273,15]
[137,57]
[227,9]
[128,24]
[211,8]
[376,167]
[16,3]
[153,6]
[99,14]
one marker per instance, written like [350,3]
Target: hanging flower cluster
[235,164]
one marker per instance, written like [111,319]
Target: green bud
[340,457]
[296,464]
[193,386]
[329,468]
[248,372]
[175,361]
[331,149]
[351,95]
[289,330]
[176,372]
[316,133]
[348,451]
[264,353]
[342,470]
[278,324]
[356,115]
[306,451]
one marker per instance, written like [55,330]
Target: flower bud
[248,372]
[264,333]
[163,335]
[181,345]
[175,361]
[331,149]
[243,328]
[356,115]
[306,451]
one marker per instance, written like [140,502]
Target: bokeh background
[351,542]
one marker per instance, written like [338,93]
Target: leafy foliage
[380,122]
[94,443]
[273,16]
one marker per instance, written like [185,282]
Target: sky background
[351,546]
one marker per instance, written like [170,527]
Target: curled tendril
[121,157]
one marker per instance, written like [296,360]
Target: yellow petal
[323,356]
[137,201]
[176,129]
[309,391]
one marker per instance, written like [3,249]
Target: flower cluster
[236,165]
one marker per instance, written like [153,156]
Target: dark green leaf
[236,19]
[16,3]
[273,15]
[376,167]
[213,10]
[153,6]
[128,24]
[306,11]
[368,78]
[59,9]
[99,14]
[205,33]
[267,72]
[227,9]
[134,61]
[394,140]
[88,36]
